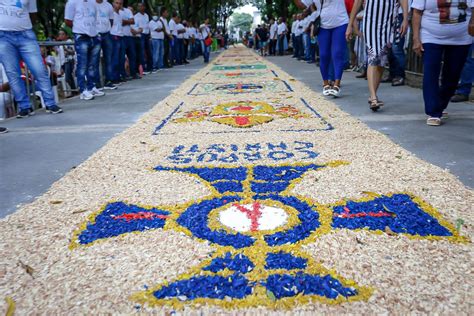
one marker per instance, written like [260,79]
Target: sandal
[433,121]
[374,104]
[335,91]
[327,90]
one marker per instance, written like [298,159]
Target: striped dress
[379,22]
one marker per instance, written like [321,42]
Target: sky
[248,8]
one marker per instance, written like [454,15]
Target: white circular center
[253,217]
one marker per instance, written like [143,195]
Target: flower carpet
[243,191]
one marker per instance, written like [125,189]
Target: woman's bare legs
[374,76]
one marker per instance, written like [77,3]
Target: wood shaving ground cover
[40,272]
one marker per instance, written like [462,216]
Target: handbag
[208,41]
[317,22]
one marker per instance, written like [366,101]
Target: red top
[349,5]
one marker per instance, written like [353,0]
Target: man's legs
[93,59]
[148,55]
[82,45]
[116,58]
[432,67]
[453,62]
[106,42]
[131,55]
[467,76]
[10,58]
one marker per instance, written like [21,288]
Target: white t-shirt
[15,14]
[141,21]
[192,32]
[333,14]
[293,26]
[186,34]
[153,25]
[180,27]
[440,28]
[173,27]
[126,15]
[281,28]
[105,13]
[165,24]
[117,28]
[273,30]
[83,15]
[204,31]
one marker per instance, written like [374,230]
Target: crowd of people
[124,40]
[370,35]
[131,44]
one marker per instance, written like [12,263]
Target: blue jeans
[295,44]
[145,53]
[175,51]
[158,52]
[16,46]
[307,46]
[467,75]
[332,45]
[117,43]
[128,49]
[205,52]
[396,58]
[453,57]
[88,52]
[180,57]
[106,45]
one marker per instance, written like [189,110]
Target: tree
[241,20]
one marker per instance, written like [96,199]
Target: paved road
[39,150]
[450,146]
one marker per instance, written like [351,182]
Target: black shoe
[109,86]
[25,113]
[459,98]
[54,109]
[128,78]
[398,81]
[3,130]
[137,77]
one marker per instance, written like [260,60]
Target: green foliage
[242,21]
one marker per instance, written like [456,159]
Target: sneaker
[3,130]
[459,98]
[87,95]
[154,71]
[97,93]
[25,113]
[147,72]
[100,89]
[54,109]
[136,77]
[433,121]
[110,86]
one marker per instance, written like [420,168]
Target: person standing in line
[137,40]
[105,14]
[174,51]
[379,20]
[206,33]
[128,47]
[281,35]
[262,36]
[167,56]
[82,18]
[180,29]
[18,42]
[157,37]
[306,37]
[298,43]
[141,21]
[467,78]
[185,42]
[192,39]
[116,33]
[441,36]
[293,34]
[273,36]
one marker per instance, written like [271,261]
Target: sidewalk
[39,150]
[450,146]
